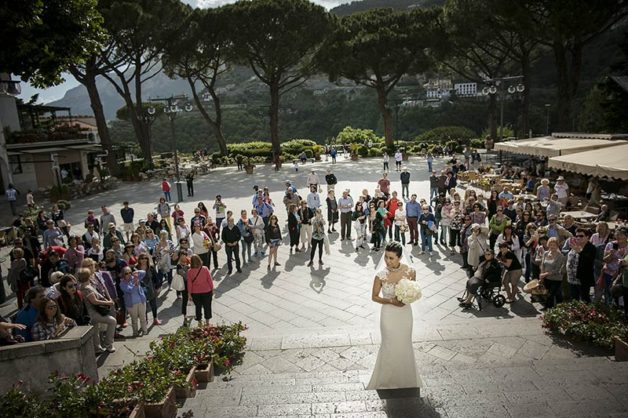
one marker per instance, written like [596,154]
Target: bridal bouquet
[408,291]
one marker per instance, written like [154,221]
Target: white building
[466,89]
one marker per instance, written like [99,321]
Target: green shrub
[446,133]
[351,135]
[309,154]
[297,146]
[251,149]
[363,151]
[508,132]
[457,146]
[477,143]
[375,152]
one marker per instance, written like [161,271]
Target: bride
[395,367]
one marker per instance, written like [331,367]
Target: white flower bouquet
[408,291]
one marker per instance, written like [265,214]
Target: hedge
[351,135]
[446,133]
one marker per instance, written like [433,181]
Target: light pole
[498,85]
[547,116]
[171,110]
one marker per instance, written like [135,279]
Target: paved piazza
[314,333]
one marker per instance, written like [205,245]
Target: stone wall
[33,362]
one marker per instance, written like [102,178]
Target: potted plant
[353,151]
[248,166]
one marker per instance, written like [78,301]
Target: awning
[549,146]
[606,162]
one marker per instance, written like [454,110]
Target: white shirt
[312,179]
[313,201]
[398,156]
[400,217]
[562,190]
[386,158]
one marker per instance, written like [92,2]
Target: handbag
[249,238]
[177,283]
[104,310]
[216,247]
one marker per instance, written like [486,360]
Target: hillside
[360,6]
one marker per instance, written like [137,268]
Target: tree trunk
[564,98]
[101,121]
[216,125]
[273,113]
[492,115]
[525,101]
[382,101]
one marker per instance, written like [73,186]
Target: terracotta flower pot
[189,391]
[204,373]
[167,408]
[621,350]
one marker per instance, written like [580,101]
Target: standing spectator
[89,235]
[200,288]
[178,213]
[164,250]
[198,218]
[359,222]
[331,180]
[30,199]
[552,265]
[56,214]
[313,199]
[91,220]
[189,181]
[245,226]
[332,211]
[430,162]
[127,215]
[273,239]
[105,219]
[318,237]
[163,209]
[257,228]
[201,243]
[52,235]
[543,192]
[221,210]
[450,181]
[561,188]
[290,199]
[507,236]
[385,159]
[18,279]
[496,225]
[51,323]
[384,185]
[294,225]
[11,194]
[442,186]
[75,254]
[27,316]
[398,160]
[379,230]
[305,214]
[434,186]
[312,180]
[345,205]
[478,245]
[183,231]
[165,188]
[231,237]
[455,226]
[426,221]
[446,216]
[150,282]
[413,210]
[614,253]
[112,234]
[405,183]
[135,299]
[334,154]
[400,224]
[99,307]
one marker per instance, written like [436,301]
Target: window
[15,162]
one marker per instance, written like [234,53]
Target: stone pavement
[313,332]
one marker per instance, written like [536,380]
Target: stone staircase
[467,371]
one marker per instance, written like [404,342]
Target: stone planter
[189,391]
[204,373]
[354,157]
[137,412]
[621,350]
[249,169]
[167,408]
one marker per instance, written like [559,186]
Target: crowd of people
[117,268]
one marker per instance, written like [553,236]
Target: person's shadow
[317,283]
[403,403]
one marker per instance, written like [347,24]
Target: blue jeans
[426,240]
[167,196]
[433,192]
[429,166]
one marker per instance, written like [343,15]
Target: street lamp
[498,85]
[547,118]
[171,110]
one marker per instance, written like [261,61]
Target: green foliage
[507,132]
[351,135]
[446,133]
[297,146]
[61,192]
[41,38]
[597,324]
[250,149]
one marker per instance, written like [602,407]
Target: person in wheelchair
[486,277]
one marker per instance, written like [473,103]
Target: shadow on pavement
[403,403]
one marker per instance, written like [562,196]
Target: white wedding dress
[395,367]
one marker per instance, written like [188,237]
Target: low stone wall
[33,362]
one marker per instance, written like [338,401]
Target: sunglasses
[127,273]
[580,236]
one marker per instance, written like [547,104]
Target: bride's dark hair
[394,247]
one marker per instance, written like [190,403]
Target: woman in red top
[200,288]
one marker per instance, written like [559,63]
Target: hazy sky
[57,92]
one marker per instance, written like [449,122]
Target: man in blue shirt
[413,210]
[28,315]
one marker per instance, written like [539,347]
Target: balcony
[56,135]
